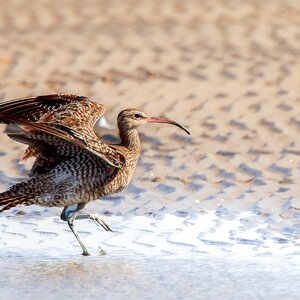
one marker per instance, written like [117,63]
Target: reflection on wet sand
[141,278]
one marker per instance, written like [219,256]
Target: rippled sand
[229,71]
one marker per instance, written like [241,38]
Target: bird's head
[132,118]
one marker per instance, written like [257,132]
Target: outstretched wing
[77,112]
[67,117]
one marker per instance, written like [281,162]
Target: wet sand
[142,278]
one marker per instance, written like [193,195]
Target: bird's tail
[9,199]
[41,190]
[21,193]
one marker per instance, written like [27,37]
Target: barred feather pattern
[69,117]
[73,181]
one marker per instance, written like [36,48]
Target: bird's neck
[130,139]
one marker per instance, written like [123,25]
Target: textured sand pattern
[229,70]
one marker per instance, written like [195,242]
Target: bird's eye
[138,116]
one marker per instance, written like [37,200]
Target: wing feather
[68,117]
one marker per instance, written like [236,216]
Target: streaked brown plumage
[72,166]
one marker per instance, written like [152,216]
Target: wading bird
[72,165]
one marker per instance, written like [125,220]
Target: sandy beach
[212,216]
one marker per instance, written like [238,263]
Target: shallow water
[144,277]
[214,215]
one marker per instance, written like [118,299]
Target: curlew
[72,165]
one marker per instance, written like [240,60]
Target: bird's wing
[70,110]
[64,110]
[68,117]
[48,149]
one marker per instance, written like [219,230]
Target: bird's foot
[96,218]
[102,252]
[86,253]
[100,222]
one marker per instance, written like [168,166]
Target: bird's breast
[123,177]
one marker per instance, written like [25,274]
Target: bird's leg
[98,221]
[71,225]
[69,214]
[96,218]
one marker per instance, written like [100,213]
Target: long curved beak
[165,120]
